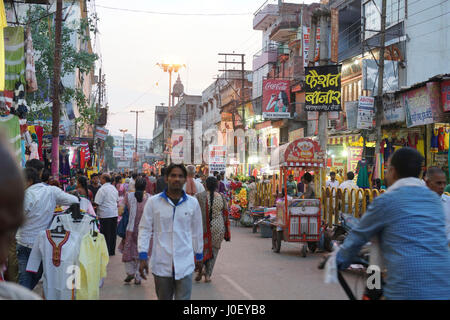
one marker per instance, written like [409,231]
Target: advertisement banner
[323,88]
[393,110]
[101,133]
[434,93]
[118,152]
[217,158]
[417,107]
[354,155]
[366,112]
[351,110]
[306,36]
[445,95]
[276,99]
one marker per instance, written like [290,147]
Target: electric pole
[379,111]
[55,99]
[123,142]
[136,148]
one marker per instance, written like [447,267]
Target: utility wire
[416,24]
[176,13]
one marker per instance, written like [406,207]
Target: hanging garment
[81,228]
[441,138]
[64,165]
[30,73]
[446,139]
[93,261]
[34,151]
[10,124]
[421,147]
[82,158]
[434,141]
[24,160]
[363,174]
[40,134]
[20,107]
[57,256]
[3,24]
[14,57]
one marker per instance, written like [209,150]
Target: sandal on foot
[129,278]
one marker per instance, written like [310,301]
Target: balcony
[285,28]
[265,16]
[264,56]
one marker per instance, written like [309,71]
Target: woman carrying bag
[216,227]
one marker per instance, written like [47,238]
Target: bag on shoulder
[122,226]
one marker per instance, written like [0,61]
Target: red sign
[304,150]
[276,99]
[445,95]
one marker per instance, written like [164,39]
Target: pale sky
[131,43]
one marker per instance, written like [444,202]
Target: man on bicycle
[409,222]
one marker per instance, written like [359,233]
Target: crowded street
[232,153]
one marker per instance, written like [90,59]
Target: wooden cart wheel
[304,250]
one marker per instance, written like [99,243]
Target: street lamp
[170,67]
[123,141]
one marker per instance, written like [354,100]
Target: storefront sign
[306,151]
[119,152]
[354,156]
[434,93]
[306,42]
[323,88]
[417,107]
[276,99]
[351,109]
[101,133]
[393,110]
[445,95]
[365,112]
[217,158]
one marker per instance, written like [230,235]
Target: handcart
[299,220]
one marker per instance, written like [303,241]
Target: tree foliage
[72,59]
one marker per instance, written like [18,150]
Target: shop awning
[303,152]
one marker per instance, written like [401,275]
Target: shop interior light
[344,153]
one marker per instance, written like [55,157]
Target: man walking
[174,219]
[106,199]
[436,181]
[409,222]
[94,186]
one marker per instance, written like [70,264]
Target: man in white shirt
[333,183]
[191,182]
[436,181]
[174,220]
[107,200]
[348,184]
[39,206]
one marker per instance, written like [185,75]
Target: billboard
[323,88]
[276,99]
[366,112]
[119,151]
[217,158]
[417,107]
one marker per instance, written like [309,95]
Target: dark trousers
[108,227]
[167,288]
[27,279]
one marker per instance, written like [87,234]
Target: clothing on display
[3,25]
[10,124]
[57,256]
[93,260]
[434,141]
[363,174]
[30,73]
[14,57]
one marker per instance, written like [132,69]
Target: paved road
[246,269]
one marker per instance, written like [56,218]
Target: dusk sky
[131,43]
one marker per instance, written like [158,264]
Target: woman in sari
[216,227]
[135,201]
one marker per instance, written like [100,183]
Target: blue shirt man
[409,222]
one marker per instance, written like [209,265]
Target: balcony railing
[264,56]
[265,15]
[285,28]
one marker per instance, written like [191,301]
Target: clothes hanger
[76,214]
[94,233]
[59,231]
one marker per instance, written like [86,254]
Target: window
[395,12]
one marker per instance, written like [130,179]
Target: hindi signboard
[445,95]
[101,133]
[276,99]
[217,158]
[393,110]
[306,42]
[366,112]
[354,155]
[417,107]
[351,110]
[323,88]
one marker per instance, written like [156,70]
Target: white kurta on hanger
[82,228]
[58,256]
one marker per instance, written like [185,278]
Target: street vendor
[309,186]
[291,186]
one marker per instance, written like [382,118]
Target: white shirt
[198,186]
[347,184]
[333,184]
[82,228]
[177,233]
[107,198]
[39,206]
[446,203]
[55,276]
